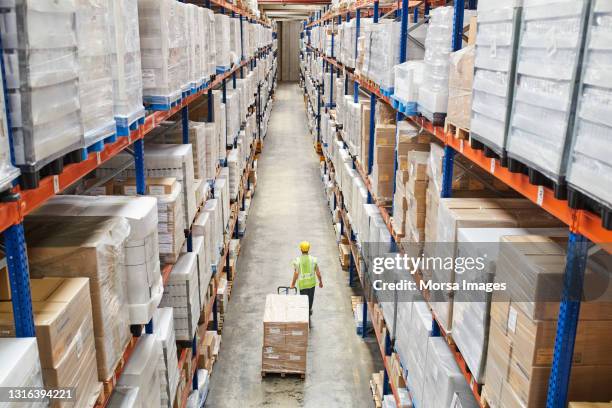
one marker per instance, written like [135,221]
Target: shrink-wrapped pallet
[141,370]
[7,171]
[213,207]
[92,247]
[203,265]
[41,66]
[20,366]
[95,72]
[181,293]
[194,47]
[210,40]
[222,193]
[164,51]
[202,227]
[126,63]
[232,116]
[64,333]
[168,362]
[235,47]
[196,135]
[460,84]
[142,278]
[285,339]
[161,160]
[125,397]
[408,79]
[222,42]
[233,164]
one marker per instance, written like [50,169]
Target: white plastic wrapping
[163,325]
[408,79]
[222,41]
[7,171]
[442,375]
[141,370]
[20,367]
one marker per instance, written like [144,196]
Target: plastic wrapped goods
[222,41]
[164,49]
[126,64]
[194,47]
[91,247]
[168,362]
[442,375]
[433,93]
[64,333]
[203,228]
[7,171]
[196,139]
[382,52]
[203,265]
[20,367]
[408,79]
[125,397]
[544,106]
[210,40]
[142,277]
[181,293]
[495,63]
[460,84]
[140,370]
[213,207]
[40,59]
[95,71]
[590,170]
[235,46]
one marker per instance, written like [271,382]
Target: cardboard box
[155,186]
[590,405]
[385,135]
[461,79]
[5,283]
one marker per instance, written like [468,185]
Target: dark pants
[310,293]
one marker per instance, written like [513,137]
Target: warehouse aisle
[288,207]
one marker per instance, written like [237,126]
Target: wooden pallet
[283,374]
[375,397]
[109,384]
[456,131]
[355,300]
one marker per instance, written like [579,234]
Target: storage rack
[17,203]
[583,226]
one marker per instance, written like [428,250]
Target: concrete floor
[288,207]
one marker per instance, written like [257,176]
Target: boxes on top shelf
[546,87]
[92,247]
[142,278]
[589,170]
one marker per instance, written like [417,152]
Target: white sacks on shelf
[141,370]
[209,40]
[494,70]
[142,277]
[20,366]
[433,93]
[222,42]
[194,47]
[590,170]
[126,64]
[40,60]
[163,46]
[235,47]
[163,325]
[545,93]
[181,293]
[95,71]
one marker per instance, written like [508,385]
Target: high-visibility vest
[306,266]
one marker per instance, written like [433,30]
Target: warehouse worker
[304,269]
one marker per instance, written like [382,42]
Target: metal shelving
[20,203]
[583,226]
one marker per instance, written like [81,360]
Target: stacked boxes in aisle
[142,278]
[416,192]
[495,64]
[161,160]
[181,293]
[223,290]
[94,67]
[20,366]
[211,151]
[41,67]
[384,159]
[168,362]
[164,51]
[92,247]
[285,339]
[222,42]
[126,64]
[64,334]
[471,309]
[524,325]
[545,96]
[220,123]
[141,370]
[433,92]
[589,166]
[170,217]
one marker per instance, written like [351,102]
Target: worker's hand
[320,284]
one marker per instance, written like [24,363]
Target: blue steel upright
[185,123]
[458,25]
[569,311]
[19,276]
[448,163]
[139,166]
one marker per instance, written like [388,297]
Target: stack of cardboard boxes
[285,339]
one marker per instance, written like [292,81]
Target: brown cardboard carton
[155,186]
[107,188]
[385,114]
[5,283]
[590,405]
[385,135]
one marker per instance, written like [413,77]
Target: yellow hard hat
[304,246]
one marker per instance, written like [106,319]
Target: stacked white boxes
[20,367]
[141,370]
[590,170]
[168,362]
[125,397]
[164,51]
[233,163]
[222,41]
[382,52]
[197,141]
[408,80]
[7,171]
[220,125]
[204,267]
[194,47]
[210,41]
[211,151]
[180,37]
[142,278]
[235,48]
[182,294]
[546,91]
[433,93]
[222,193]
[126,64]
[495,63]
[202,228]
[95,73]
[214,209]
[170,223]
[40,56]
[162,160]
[232,115]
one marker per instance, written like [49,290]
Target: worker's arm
[318,272]
[295,278]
